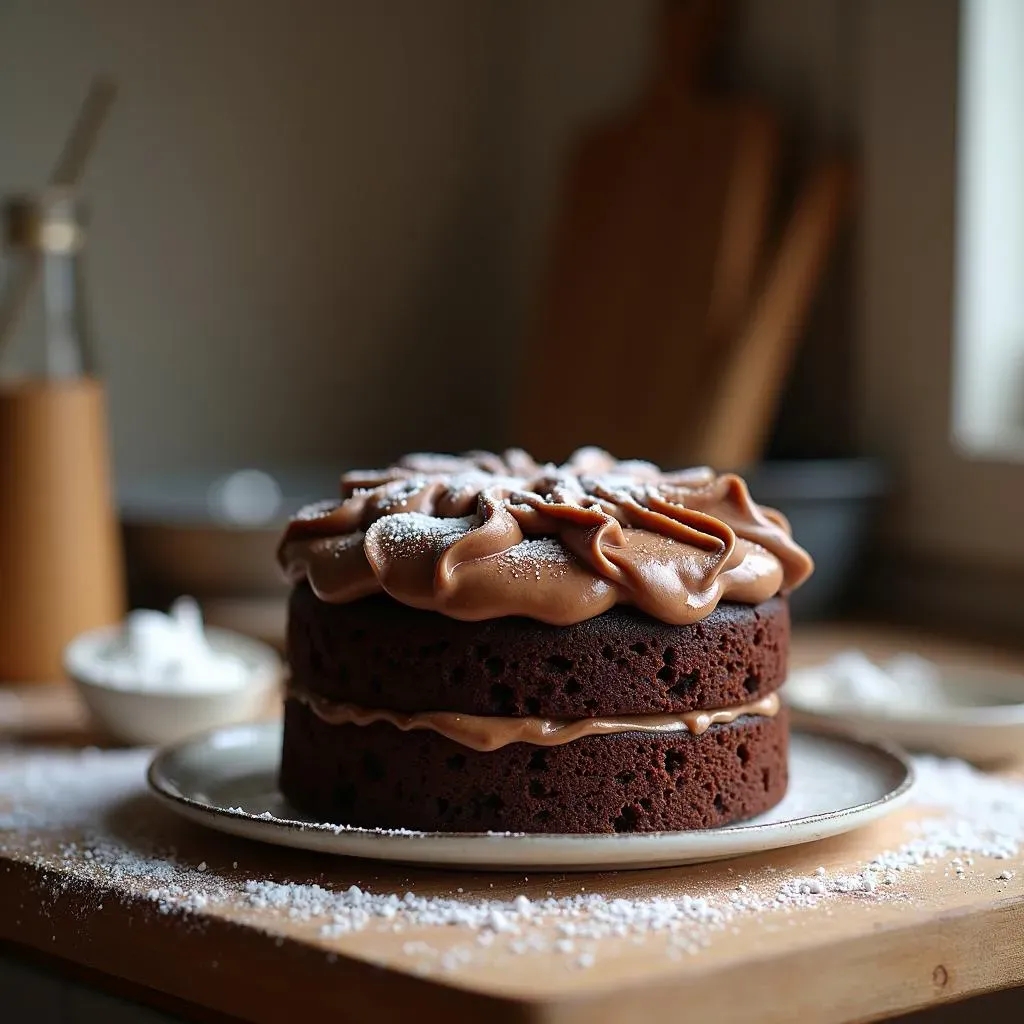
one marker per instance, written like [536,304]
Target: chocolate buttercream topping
[487,733]
[481,536]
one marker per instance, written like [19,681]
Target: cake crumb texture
[378,777]
[377,652]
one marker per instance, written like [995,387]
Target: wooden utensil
[746,394]
[660,231]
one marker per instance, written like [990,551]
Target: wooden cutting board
[658,237]
[936,938]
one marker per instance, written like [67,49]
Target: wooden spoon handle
[750,387]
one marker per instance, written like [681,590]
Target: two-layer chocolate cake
[484,643]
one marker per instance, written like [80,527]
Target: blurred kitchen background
[324,232]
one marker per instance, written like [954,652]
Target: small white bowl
[154,717]
[979,717]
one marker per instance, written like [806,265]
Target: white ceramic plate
[979,715]
[227,780]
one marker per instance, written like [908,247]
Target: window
[941,325]
[988,394]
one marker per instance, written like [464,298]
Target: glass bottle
[61,570]
[43,326]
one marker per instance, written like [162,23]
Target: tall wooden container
[60,555]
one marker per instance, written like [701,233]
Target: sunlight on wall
[988,393]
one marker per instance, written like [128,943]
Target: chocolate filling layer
[491,732]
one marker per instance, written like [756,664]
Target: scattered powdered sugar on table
[98,797]
[50,790]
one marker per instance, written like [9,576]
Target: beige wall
[311,219]
[317,224]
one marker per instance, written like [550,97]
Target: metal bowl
[830,505]
[182,536]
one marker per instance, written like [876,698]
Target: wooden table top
[933,936]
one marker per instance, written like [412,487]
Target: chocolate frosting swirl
[480,536]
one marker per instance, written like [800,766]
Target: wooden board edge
[892,971]
[241,972]
[110,985]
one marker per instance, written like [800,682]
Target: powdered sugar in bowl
[159,678]
[970,710]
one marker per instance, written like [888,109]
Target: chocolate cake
[481,643]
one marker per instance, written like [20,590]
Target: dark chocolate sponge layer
[380,653]
[378,776]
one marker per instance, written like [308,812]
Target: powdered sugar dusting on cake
[395,496]
[617,483]
[588,501]
[408,534]
[475,481]
[337,546]
[433,462]
[534,557]
[544,549]
[316,510]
